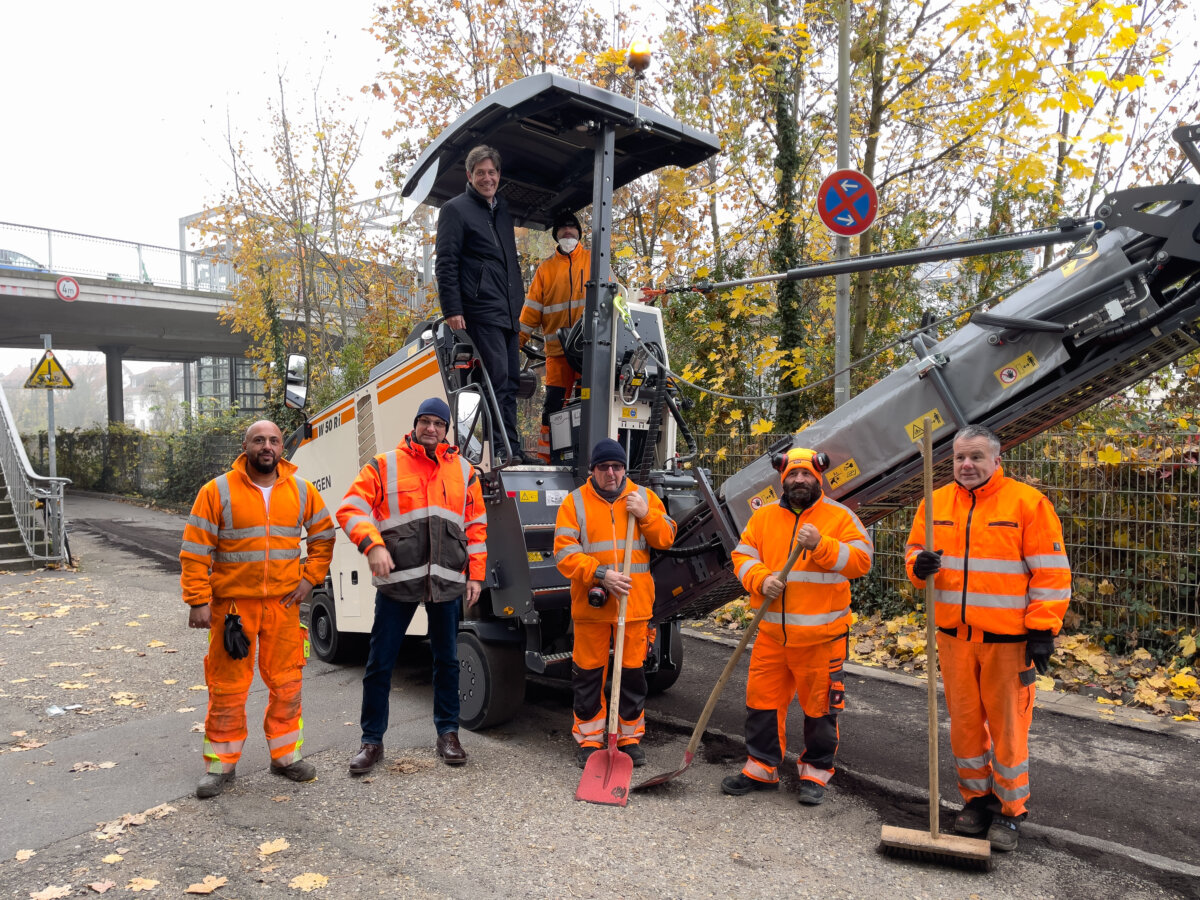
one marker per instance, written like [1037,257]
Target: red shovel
[690,753]
[608,773]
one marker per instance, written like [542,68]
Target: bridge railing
[37,501]
[71,253]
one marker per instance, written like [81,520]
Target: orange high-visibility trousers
[813,673]
[989,695]
[281,642]
[589,670]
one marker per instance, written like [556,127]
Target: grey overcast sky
[116,113]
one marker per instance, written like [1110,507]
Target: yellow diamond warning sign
[49,373]
[916,426]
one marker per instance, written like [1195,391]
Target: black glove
[236,644]
[927,563]
[1038,647]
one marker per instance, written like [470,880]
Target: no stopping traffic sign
[847,202]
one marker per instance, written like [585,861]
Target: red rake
[608,773]
[690,753]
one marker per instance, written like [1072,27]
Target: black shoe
[741,783]
[1003,833]
[975,817]
[364,761]
[583,754]
[213,783]
[634,752]
[812,793]
[300,770]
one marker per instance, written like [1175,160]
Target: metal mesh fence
[1130,508]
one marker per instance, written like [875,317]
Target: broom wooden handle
[737,654]
[619,644]
[931,660]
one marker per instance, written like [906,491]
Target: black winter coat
[478,274]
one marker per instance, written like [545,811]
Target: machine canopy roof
[546,129]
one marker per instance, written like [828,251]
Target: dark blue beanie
[434,406]
[608,450]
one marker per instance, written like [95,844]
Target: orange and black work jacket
[1004,569]
[236,547]
[428,513]
[590,533]
[815,604]
[556,296]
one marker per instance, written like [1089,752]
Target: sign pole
[50,418]
[841,315]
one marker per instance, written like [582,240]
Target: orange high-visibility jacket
[1004,566]
[233,550]
[428,513]
[556,296]
[815,604]
[590,532]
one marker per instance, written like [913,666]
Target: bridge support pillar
[115,382]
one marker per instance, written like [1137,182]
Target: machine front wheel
[491,681]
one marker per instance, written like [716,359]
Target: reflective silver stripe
[619,546]
[247,556]
[416,515]
[812,773]
[317,519]
[990,601]
[466,474]
[638,568]
[601,546]
[816,577]
[557,307]
[202,524]
[865,546]
[759,772]
[973,762]
[354,521]
[293,553]
[1012,795]
[746,567]
[1048,561]
[552,343]
[991,566]
[480,519]
[638,726]
[805,621]
[286,531]
[358,503]
[238,534]
[302,501]
[526,329]
[1010,773]
[1041,593]
[534,305]
[284,739]
[581,517]
[567,551]
[472,549]
[843,557]
[222,482]
[976,784]
[198,549]
[419,572]
[567,532]
[747,550]
[327,535]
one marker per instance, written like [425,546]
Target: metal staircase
[32,526]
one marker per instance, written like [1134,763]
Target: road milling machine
[1120,305]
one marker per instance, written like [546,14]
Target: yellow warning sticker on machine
[844,473]
[916,426]
[1016,370]
[535,556]
[529,496]
[763,497]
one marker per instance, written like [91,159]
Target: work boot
[741,783]
[212,783]
[1003,833]
[812,793]
[300,770]
[634,752]
[364,761]
[450,750]
[975,817]
[583,754]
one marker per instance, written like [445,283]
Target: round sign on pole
[847,202]
[67,288]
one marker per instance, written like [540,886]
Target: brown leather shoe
[364,762]
[450,750]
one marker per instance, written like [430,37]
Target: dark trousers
[391,621]
[501,360]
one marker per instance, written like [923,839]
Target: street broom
[915,843]
[608,773]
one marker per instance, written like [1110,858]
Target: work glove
[236,644]
[1038,647]
[927,563]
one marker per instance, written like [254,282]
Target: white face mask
[568,244]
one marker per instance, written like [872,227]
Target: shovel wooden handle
[931,660]
[706,714]
[619,644]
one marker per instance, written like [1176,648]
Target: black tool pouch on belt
[236,644]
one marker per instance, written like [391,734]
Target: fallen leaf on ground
[198,687]
[157,644]
[407,766]
[101,886]
[207,886]
[170,681]
[141,884]
[53,892]
[27,745]
[266,848]
[72,685]
[23,855]
[309,881]
[186,709]
[197,728]
[161,811]
[112,858]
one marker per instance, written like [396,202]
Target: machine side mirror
[295,382]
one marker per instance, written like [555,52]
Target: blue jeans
[391,621]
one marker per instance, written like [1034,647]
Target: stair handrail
[37,500]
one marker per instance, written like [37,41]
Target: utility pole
[841,316]
[50,417]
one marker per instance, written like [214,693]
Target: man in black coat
[479,279]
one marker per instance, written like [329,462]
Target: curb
[1057,702]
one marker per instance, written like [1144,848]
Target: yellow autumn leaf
[112,858]
[266,848]
[207,886]
[1105,587]
[1184,685]
[1187,717]
[1045,683]
[157,644]
[1187,645]
[309,881]
[23,855]
[762,426]
[53,892]
[1110,455]
[141,884]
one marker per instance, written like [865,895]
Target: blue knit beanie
[608,450]
[434,406]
